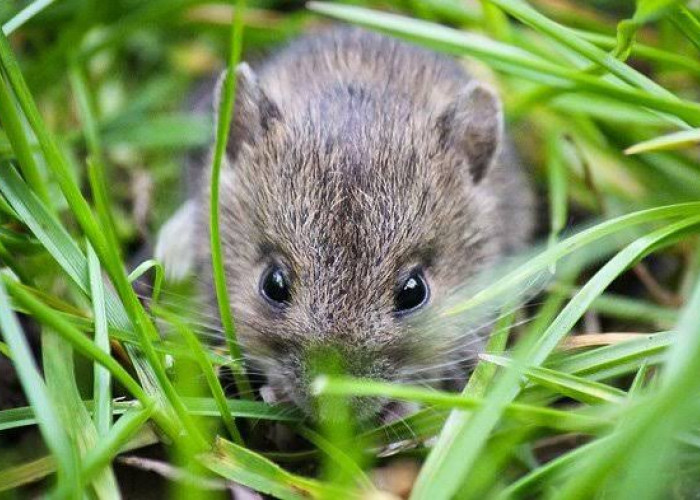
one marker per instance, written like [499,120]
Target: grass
[600,97]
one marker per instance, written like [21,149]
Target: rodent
[365,179]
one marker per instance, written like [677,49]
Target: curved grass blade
[676,140]
[143,268]
[250,469]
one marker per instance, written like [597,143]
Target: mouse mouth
[367,411]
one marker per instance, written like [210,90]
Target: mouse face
[347,224]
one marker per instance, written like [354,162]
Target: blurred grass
[601,97]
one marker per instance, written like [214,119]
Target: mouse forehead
[363,192]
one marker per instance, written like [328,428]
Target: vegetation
[601,98]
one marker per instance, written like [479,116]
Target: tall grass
[601,100]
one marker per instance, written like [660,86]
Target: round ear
[473,124]
[253,111]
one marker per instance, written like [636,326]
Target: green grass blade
[14,477]
[36,392]
[102,390]
[114,441]
[224,119]
[676,140]
[195,346]
[546,417]
[12,124]
[152,372]
[569,38]
[250,469]
[663,416]
[25,15]
[62,385]
[577,388]
[142,269]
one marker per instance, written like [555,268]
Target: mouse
[364,180]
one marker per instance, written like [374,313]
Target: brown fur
[353,158]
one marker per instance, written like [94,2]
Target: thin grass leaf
[114,441]
[63,389]
[676,140]
[250,469]
[17,137]
[577,388]
[554,419]
[570,39]
[666,414]
[4,350]
[687,23]
[46,316]
[25,15]
[142,269]
[207,369]
[21,417]
[152,373]
[14,477]
[95,162]
[224,119]
[36,392]
[102,385]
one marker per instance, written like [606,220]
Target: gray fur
[354,157]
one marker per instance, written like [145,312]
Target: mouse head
[347,223]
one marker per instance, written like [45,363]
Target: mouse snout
[301,367]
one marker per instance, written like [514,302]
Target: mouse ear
[473,123]
[253,111]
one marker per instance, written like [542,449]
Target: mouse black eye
[274,286]
[412,294]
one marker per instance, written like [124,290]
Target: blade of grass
[37,394]
[45,315]
[577,388]
[250,469]
[142,269]
[16,134]
[102,388]
[95,162]
[555,419]
[14,477]
[666,414]
[224,118]
[25,15]
[570,39]
[59,372]
[22,417]
[676,140]
[114,441]
[207,369]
